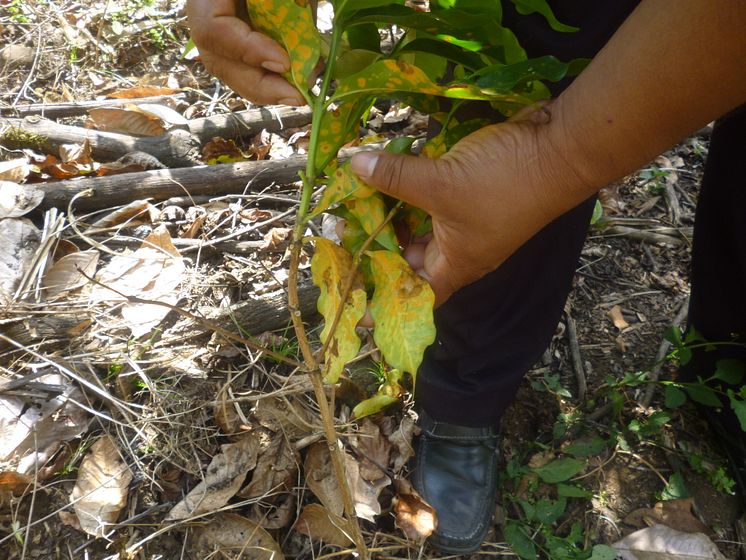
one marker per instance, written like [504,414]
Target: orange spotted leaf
[402,310]
[343,183]
[331,267]
[371,212]
[292,26]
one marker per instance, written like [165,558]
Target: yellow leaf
[402,310]
[343,183]
[292,26]
[371,212]
[435,147]
[331,267]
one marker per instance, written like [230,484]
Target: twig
[672,200]
[577,360]
[660,357]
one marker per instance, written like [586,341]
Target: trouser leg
[717,308]
[492,331]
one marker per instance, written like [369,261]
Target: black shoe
[456,473]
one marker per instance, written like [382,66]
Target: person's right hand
[246,60]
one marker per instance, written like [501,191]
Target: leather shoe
[455,471]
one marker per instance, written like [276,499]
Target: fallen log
[75,108]
[161,184]
[177,148]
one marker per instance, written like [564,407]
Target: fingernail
[274,66]
[295,101]
[364,164]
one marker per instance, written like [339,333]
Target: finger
[413,179]
[367,320]
[255,84]
[438,273]
[216,29]
[414,254]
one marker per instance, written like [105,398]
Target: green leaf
[331,267]
[292,26]
[560,470]
[189,47]
[571,491]
[519,541]
[354,61]
[372,405]
[365,36]
[586,448]
[739,407]
[400,145]
[548,511]
[703,395]
[673,335]
[342,184]
[675,397]
[598,212]
[603,552]
[502,78]
[371,212]
[445,50]
[675,489]
[402,310]
[526,7]
[730,370]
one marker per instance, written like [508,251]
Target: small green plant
[16,11]
[655,179]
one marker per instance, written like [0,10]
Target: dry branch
[74,108]
[161,184]
[178,148]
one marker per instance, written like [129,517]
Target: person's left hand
[248,61]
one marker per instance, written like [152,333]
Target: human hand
[487,196]
[248,61]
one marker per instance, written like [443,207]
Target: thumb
[412,179]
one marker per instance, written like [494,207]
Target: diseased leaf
[331,267]
[396,76]
[292,26]
[343,183]
[372,405]
[371,212]
[100,491]
[402,309]
[339,126]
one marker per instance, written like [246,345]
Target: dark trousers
[491,332]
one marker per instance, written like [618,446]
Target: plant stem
[312,365]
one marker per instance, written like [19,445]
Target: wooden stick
[74,108]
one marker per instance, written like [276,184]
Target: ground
[170,398]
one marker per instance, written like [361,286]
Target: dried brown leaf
[320,524]
[222,479]
[364,493]
[275,471]
[320,478]
[664,543]
[615,314]
[140,209]
[414,516]
[220,150]
[100,491]
[162,112]
[141,91]
[70,272]
[127,121]
[152,272]
[286,416]
[14,170]
[676,514]
[229,532]
[77,153]
[374,450]
[226,417]
[401,439]
[17,200]
[276,239]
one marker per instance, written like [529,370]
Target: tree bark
[161,184]
[177,148]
